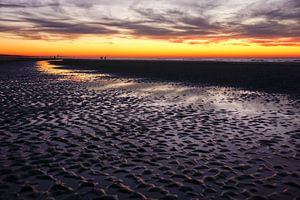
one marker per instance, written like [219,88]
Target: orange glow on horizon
[144,48]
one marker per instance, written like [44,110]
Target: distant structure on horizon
[57,57]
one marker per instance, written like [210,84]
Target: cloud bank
[266,22]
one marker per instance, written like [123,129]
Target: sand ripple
[65,139]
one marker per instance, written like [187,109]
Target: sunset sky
[143,28]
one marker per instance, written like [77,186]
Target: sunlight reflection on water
[68,74]
[168,94]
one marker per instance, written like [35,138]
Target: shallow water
[79,134]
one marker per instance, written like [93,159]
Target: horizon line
[154,57]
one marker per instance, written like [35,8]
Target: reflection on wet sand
[68,74]
[171,93]
[119,138]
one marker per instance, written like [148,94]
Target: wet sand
[74,133]
[272,76]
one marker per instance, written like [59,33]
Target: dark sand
[263,76]
[69,134]
[11,58]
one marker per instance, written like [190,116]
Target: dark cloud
[164,24]
[151,14]
[198,22]
[64,29]
[269,29]
[278,14]
[268,19]
[8,28]
[9,5]
[147,30]
[28,5]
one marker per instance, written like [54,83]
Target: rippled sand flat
[67,134]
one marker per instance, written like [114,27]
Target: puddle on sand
[68,74]
[240,101]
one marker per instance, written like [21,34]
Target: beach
[86,129]
[267,75]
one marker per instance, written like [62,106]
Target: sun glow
[138,47]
